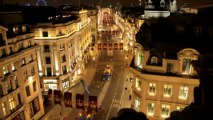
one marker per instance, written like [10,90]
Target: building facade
[64,49]
[20,91]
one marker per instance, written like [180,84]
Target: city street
[111,94]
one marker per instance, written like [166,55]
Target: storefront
[50,84]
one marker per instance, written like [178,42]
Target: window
[16,80]
[5,70]
[154,60]
[137,104]
[27,90]
[152,89]
[25,75]
[46,48]
[179,108]
[4,108]
[32,71]
[15,30]
[49,71]
[138,84]
[165,111]
[169,68]
[9,85]
[167,91]
[31,58]
[23,62]
[12,103]
[34,107]
[48,60]
[45,34]
[62,46]
[34,86]
[13,66]
[150,109]
[23,28]
[20,116]
[139,60]
[183,92]
[63,58]
[19,98]
[64,69]
[186,68]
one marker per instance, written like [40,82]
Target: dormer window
[154,60]
[15,30]
[23,29]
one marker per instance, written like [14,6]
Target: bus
[107,73]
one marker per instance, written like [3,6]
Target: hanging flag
[93,103]
[79,101]
[68,99]
[49,96]
[57,96]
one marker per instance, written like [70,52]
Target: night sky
[100,2]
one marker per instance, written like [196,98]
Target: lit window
[187,67]
[32,71]
[137,104]
[4,108]
[23,28]
[15,30]
[165,111]
[30,58]
[140,60]
[23,61]
[167,92]
[138,84]
[183,92]
[5,70]
[62,46]
[12,103]
[8,85]
[154,60]
[150,109]
[13,66]
[179,108]
[152,89]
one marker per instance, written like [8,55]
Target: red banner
[68,99]
[93,103]
[57,96]
[79,101]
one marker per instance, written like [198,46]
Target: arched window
[154,60]
[186,56]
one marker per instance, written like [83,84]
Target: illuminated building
[65,47]
[20,92]
[163,76]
